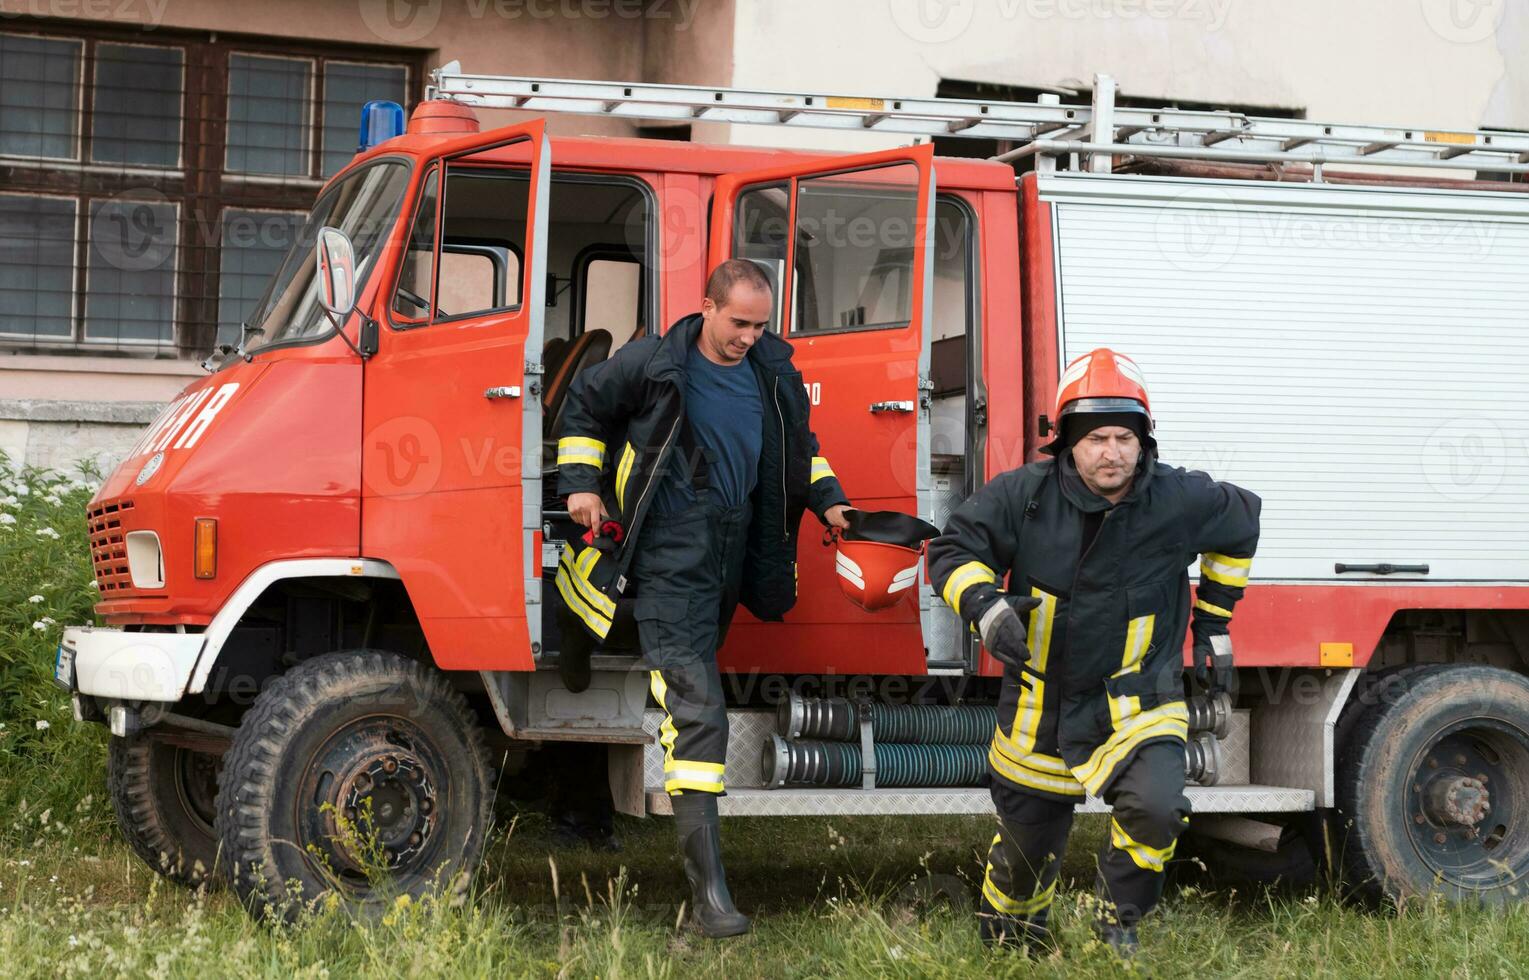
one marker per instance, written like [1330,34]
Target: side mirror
[337,273]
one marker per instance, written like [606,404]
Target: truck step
[974,802]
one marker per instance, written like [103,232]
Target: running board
[964,802]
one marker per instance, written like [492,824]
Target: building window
[154,181]
[36,266]
[269,105]
[39,96]
[136,117]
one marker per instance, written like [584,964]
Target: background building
[157,155]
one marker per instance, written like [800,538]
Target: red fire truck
[325,569]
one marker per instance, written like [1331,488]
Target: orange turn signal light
[205,561]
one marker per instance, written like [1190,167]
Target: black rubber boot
[700,838]
[1018,933]
[1120,938]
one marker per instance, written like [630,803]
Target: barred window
[154,181]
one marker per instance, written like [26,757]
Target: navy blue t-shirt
[727,418]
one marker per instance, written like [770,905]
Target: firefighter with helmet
[1073,570]
[712,464]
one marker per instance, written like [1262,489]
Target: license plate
[63,667]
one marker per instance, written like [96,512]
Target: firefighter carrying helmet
[878,555]
[1107,388]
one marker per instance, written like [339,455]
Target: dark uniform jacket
[622,426]
[1113,580]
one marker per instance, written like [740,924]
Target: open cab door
[846,243]
[452,437]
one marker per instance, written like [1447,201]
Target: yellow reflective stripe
[1170,719]
[1224,569]
[1147,858]
[624,470]
[1009,906]
[580,569]
[1032,760]
[970,574]
[567,588]
[820,469]
[578,449]
[1023,775]
[667,733]
[1031,703]
[1138,639]
[1214,610]
[704,777]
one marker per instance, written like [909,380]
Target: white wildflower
[7,518]
[48,532]
[22,490]
[10,500]
[35,598]
[52,501]
[49,620]
[74,940]
[40,626]
[42,726]
[94,584]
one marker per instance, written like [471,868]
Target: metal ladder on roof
[1046,129]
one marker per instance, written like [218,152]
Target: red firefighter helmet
[1101,382]
[878,555]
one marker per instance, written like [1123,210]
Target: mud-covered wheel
[165,796]
[1433,788]
[359,774]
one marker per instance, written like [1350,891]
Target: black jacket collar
[668,363]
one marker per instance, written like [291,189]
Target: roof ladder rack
[1098,132]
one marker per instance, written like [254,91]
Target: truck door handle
[503,391]
[878,407]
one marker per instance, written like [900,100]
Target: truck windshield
[364,205]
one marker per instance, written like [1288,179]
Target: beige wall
[1439,63]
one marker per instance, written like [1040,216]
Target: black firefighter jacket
[627,412]
[1109,632]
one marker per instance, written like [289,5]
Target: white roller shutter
[1358,357]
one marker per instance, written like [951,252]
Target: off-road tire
[277,863]
[1435,712]
[165,816]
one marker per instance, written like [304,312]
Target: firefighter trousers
[1149,811]
[688,568]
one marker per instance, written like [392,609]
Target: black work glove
[1002,628]
[1212,659]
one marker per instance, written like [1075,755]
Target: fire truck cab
[326,568]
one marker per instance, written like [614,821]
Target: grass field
[856,897]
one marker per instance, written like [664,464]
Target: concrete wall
[1436,63]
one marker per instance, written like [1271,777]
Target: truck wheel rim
[1466,802]
[371,800]
[197,785]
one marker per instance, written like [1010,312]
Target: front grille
[108,552]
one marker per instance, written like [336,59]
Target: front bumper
[112,663]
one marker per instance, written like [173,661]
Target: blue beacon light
[380,121]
